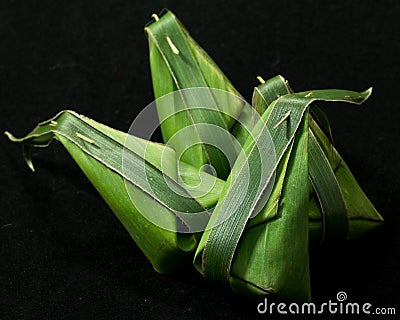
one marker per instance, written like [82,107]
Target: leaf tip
[10,136]
[368,92]
[26,150]
[364,96]
[155,17]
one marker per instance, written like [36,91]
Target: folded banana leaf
[100,152]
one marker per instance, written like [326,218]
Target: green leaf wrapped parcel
[254,241]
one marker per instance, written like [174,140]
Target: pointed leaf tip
[363,96]
[25,149]
[368,92]
[10,136]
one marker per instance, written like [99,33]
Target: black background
[63,254]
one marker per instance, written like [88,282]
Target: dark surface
[63,254]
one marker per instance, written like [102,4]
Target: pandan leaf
[334,212]
[218,246]
[272,258]
[100,152]
[263,96]
[322,121]
[361,213]
[177,63]
[334,217]
[288,186]
[363,216]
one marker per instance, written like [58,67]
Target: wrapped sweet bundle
[240,191]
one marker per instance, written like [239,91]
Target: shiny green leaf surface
[99,150]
